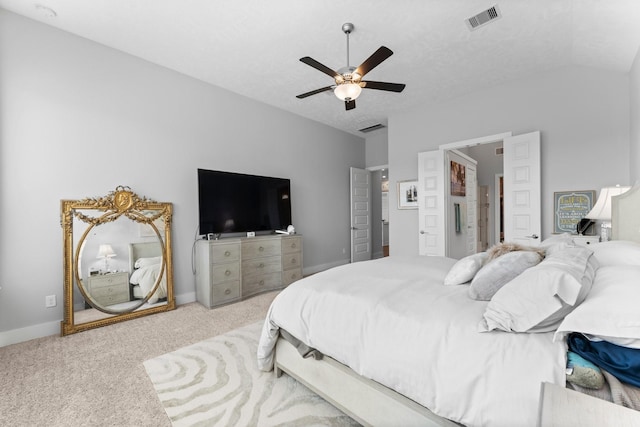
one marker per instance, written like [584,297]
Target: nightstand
[586,241]
[109,289]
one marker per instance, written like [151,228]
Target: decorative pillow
[610,311]
[617,252]
[144,262]
[504,248]
[557,242]
[465,269]
[582,372]
[539,298]
[499,272]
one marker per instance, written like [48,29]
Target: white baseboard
[27,333]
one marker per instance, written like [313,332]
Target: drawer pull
[293,261]
[261,283]
[227,253]
[261,265]
[227,291]
[261,249]
[227,272]
[293,246]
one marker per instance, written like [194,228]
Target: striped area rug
[216,382]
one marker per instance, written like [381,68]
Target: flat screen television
[239,203]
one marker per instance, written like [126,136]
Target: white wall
[583,116]
[634,86]
[78,119]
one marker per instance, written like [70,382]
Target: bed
[145,265]
[389,343]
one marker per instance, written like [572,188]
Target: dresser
[228,270]
[586,241]
[109,289]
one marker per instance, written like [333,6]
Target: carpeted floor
[97,378]
[216,382]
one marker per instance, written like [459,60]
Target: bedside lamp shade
[602,209]
[106,252]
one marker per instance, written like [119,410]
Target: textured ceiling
[253,47]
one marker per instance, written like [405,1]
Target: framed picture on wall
[408,194]
[458,180]
[569,207]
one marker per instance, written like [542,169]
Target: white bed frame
[373,404]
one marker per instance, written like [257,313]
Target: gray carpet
[97,378]
[216,383]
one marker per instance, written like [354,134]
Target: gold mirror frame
[117,204]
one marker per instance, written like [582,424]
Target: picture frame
[408,194]
[569,207]
[458,179]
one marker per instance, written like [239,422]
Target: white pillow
[145,262]
[557,242]
[539,298]
[611,308]
[464,270]
[499,272]
[617,252]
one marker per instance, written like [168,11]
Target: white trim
[377,168]
[464,156]
[41,330]
[476,141]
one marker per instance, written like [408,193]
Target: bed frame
[142,250]
[373,404]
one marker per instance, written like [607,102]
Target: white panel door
[522,189]
[360,214]
[472,208]
[431,201]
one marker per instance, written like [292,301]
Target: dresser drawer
[110,295]
[225,272]
[291,245]
[290,276]
[290,261]
[225,292]
[263,282]
[260,248]
[225,252]
[261,266]
[107,280]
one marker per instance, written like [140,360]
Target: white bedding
[393,320]
[145,277]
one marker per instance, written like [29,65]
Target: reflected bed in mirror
[117,259]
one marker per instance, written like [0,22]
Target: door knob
[533,236]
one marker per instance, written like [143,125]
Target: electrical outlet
[50,301]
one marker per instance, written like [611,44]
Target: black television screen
[238,203]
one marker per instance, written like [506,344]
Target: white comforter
[392,320]
[146,277]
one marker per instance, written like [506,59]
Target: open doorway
[380,211]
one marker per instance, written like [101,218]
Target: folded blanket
[621,362]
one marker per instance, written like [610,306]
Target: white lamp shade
[347,90]
[105,251]
[602,208]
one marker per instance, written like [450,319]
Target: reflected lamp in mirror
[602,209]
[106,252]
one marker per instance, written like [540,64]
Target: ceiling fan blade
[391,87]
[313,92]
[350,105]
[318,66]
[374,60]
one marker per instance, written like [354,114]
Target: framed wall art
[569,207]
[458,180]
[408,194]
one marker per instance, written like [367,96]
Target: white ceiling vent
[372,128]
[483,18]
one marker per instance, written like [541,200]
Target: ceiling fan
[348,80]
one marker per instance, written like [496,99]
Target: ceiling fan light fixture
[347,91]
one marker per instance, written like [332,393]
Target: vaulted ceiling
[253,47]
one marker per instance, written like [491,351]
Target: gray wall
[583,116]
[78,119]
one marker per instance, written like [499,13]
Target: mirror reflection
[117,259]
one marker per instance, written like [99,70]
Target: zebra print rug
[216,382]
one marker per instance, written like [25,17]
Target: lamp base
[605,232]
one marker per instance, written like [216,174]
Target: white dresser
[586,240]
[228,270]
[109,289]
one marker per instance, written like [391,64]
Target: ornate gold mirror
[117,259]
